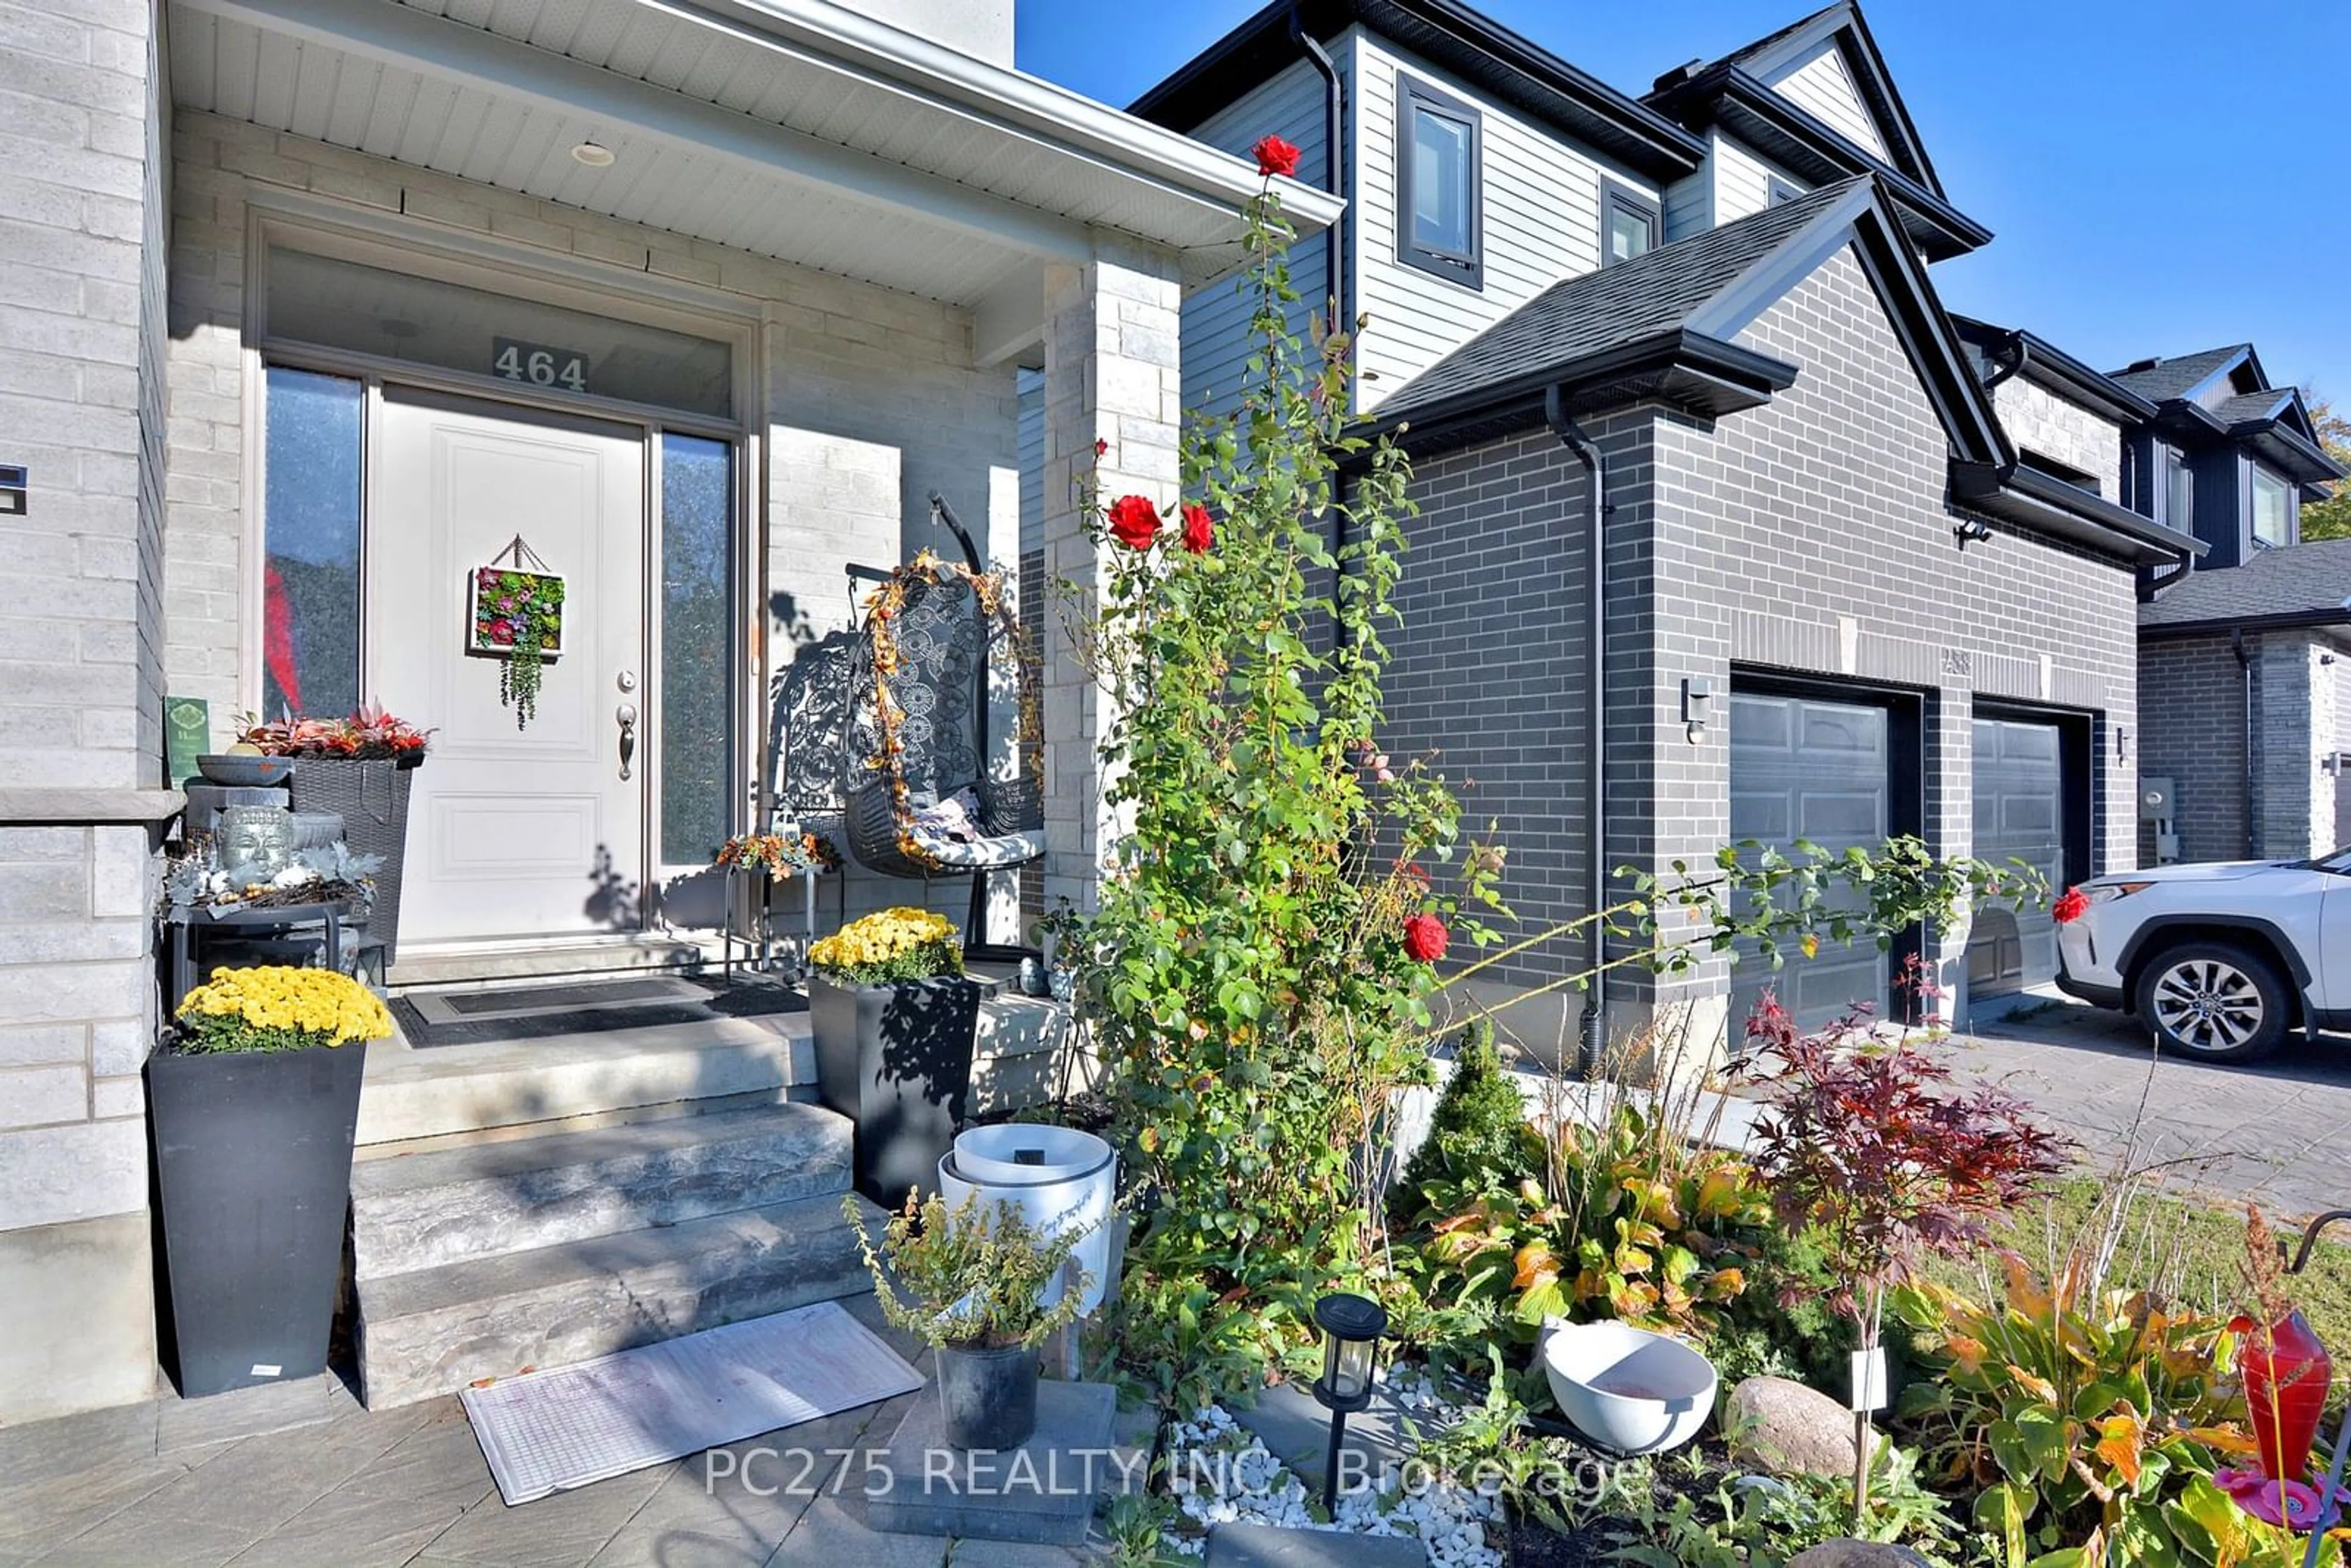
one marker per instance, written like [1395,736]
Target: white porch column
[1112,374]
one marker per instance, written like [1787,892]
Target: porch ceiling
[795,129]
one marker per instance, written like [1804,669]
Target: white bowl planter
[1628,1390]
[1057,1177]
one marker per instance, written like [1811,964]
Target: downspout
[1335,275]
[1595,723]
[2245,674]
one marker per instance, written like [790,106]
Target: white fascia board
[396,35]
[1043,108]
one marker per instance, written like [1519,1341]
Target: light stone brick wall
[871,402]
[2293,802]
[2038,420]
[82,113]
[1113,374]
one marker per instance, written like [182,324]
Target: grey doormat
[430,1018]
[550,1431]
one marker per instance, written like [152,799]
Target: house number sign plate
[536,364]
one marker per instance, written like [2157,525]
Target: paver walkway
[2277,1132]
[161,1485]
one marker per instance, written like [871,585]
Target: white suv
[2219,960]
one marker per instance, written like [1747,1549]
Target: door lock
[627,713]
[626,680]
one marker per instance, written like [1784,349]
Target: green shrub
[1478,1135]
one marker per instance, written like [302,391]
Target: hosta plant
[2081,1419]
[1618,1238]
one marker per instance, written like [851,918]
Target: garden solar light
[1351,1326]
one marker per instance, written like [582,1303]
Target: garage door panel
[2019,815]
[1814,769]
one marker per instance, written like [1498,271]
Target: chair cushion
[1001,850]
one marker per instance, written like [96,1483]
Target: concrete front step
[435,1330]
[460,1089]
[452,1205]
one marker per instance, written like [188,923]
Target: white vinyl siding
[1217,342]
[1689,205]
[1820,84]
[1541,223]
[1742,182]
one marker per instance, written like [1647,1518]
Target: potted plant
[894,1018]
[252,1106]
[973,1285]
[358,769]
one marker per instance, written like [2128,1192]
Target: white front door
[514,833]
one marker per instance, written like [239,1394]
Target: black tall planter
[253,1170]
[371,798]
[896,1061]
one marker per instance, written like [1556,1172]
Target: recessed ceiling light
[592,155]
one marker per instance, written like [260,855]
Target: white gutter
[1015,100]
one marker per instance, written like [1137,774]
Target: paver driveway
[2277,1132]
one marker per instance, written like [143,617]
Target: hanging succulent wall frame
[516,616]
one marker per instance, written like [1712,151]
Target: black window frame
[1466,269]
[2179,486]
[1615,198]
[2287,521]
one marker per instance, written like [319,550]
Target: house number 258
[538,365]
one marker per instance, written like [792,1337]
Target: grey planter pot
[253,1174]
[896,1061]
[371,798]
[987,1397]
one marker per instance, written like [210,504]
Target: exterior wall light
[1351,1326]
[16,485]
[1697,704]
[1970,531]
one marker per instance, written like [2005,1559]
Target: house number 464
[538,365]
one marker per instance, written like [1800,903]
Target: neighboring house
[1844,588]
[2244,713]
[310,308]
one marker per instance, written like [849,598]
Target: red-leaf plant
[1870,1144]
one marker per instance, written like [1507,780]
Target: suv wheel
[2214,1000]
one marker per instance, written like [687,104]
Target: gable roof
[2159,380]
[1658,291]
[1448,32]
[1732,93]
[1660,328]
[2299,585]
[1843,27]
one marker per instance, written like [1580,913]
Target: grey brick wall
[2040,421]
[2192,731]
[1808,537]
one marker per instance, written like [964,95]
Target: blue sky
[2158,173]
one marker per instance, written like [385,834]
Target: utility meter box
[2157,797]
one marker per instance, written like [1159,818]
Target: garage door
[1802,768]
[2020,814]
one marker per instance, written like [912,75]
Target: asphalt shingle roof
[2298,579]
[1651,294]
[2253,405]
[2176,377]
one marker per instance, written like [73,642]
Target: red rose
[1425,937]
[1199,531]
[2070,905]
[1101,446]
[1134,522]
[1275,156]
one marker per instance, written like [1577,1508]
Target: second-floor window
[2272,515]
[1629,225]
[1438,184]
[2179,492]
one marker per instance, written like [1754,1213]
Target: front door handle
[627,713]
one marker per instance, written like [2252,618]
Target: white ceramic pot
[1628,1390]
[1058,1177]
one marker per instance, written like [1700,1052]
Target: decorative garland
[882,608]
